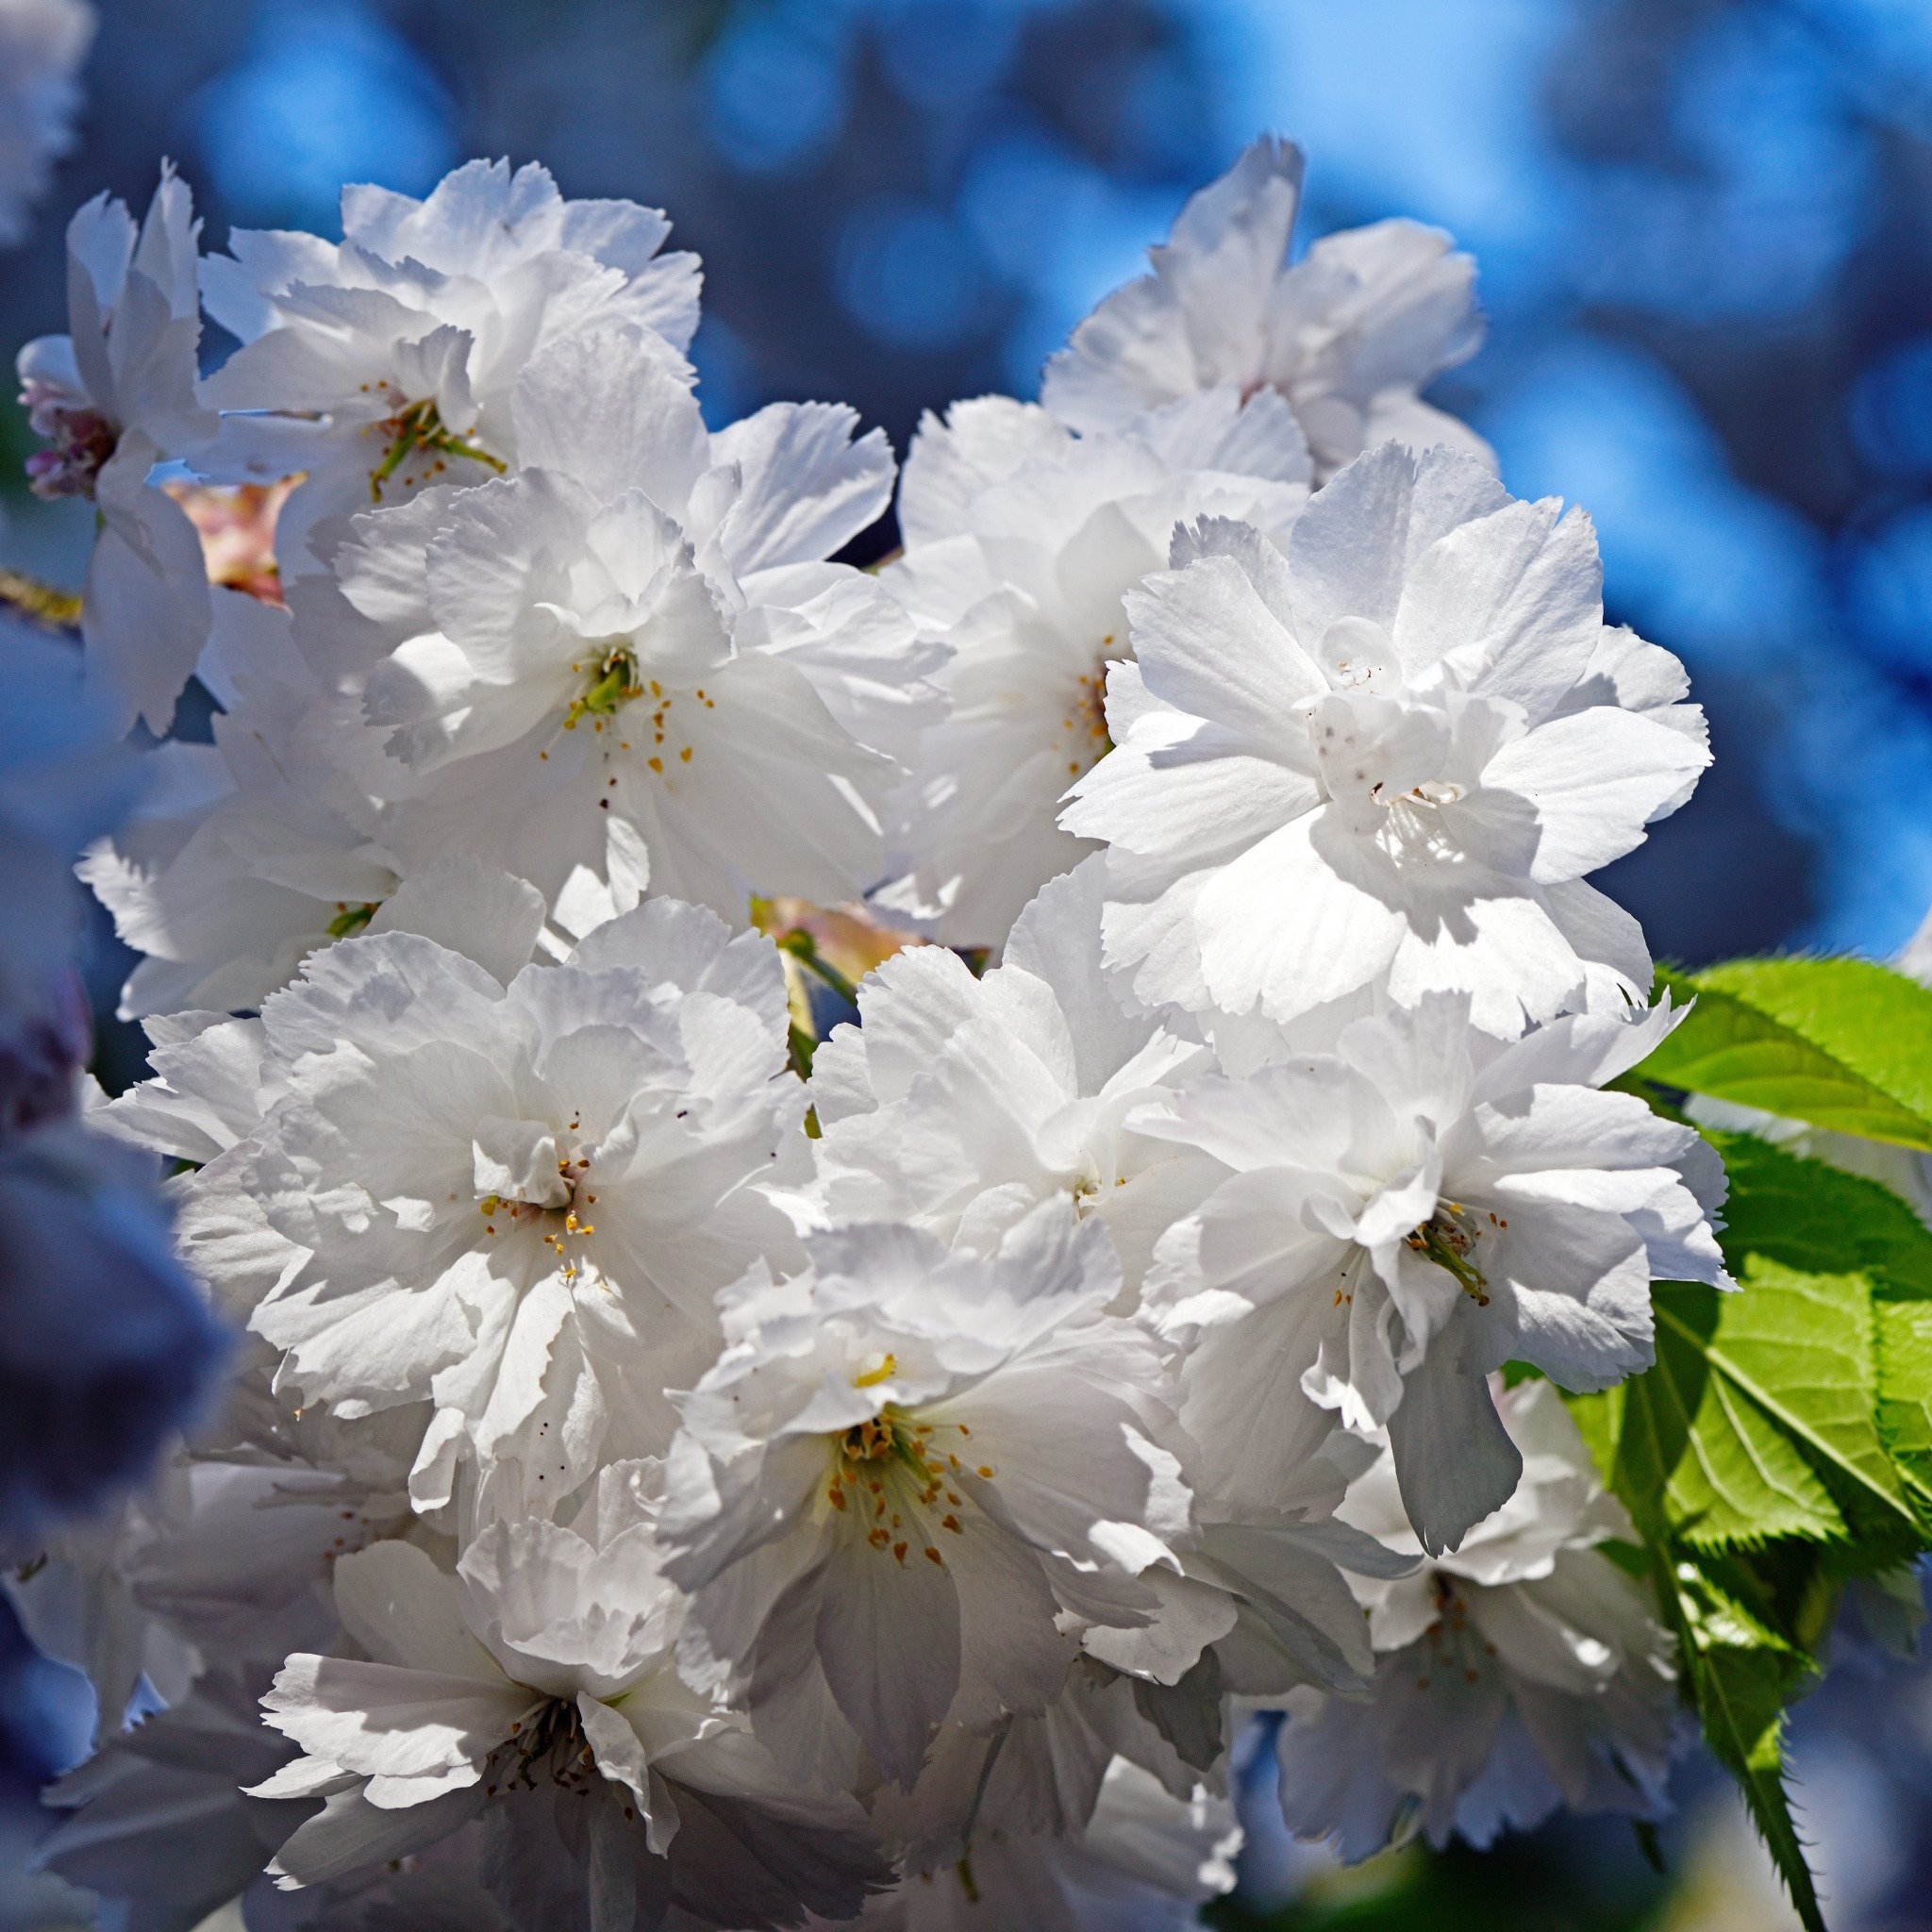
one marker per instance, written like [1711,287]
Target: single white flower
[505,1203]
[1405,1214]
[1390,755]
[115,396]
[1525,1672]
[43,43]
[1021,541]
[249,853]
[961,1104]
[629,665]
[1349,334]
[406,338]
[538,1690]
[1250,1603]
[902,1470]
[215,1079]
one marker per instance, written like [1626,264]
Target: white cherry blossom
[407,337]
[506,1200]
[648,1491]
[1405,1214]
[1525,1672]
[961,1104]
[628,665]
[538,1690]
[115,396]
[1349,334]
[248,853]
[1021,541]
[219,1559]
[902,1470]
[1387,755]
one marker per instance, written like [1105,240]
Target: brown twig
[42,604]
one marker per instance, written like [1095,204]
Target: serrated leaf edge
[1796,1427]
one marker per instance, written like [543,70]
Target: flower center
[890,1475]
[417,430]
[614,681]
[550,1743]
[350,920]
[1457,1651]
[83,440]
[1086,740]
[1090,1191]
[553,1205]
[1431,791]
[1448,1239]
[1372,750]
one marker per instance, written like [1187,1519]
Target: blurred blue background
[1704,230]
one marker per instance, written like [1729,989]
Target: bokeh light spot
[775,96]
[1890,411]
[1889,586]
[326,94]
[909,274]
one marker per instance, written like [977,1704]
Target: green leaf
[1905,1388]
[1807,1215]
[1801,1405]
[1795,1351]
[1865,1016]
[1693,1439]
[1758,1419]
[1735,1050]
[1741,1676]
[1811,1215]
[1781,1444]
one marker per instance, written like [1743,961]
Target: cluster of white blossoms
[680,1472]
